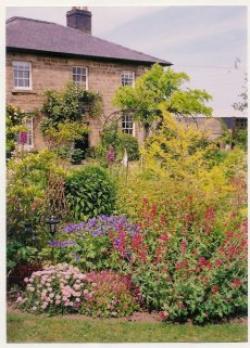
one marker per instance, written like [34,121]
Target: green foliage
[90,192]
[159,86]
[73,104]
[240,138]
[17,253]
[120,141]
[29,202]
[178,163]
[77,156]
[66,115]
[64,134]
[14,124]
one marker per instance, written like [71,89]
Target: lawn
[40,328]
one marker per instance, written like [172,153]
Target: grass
[23,327]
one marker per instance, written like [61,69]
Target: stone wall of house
[213,126]
[50,72]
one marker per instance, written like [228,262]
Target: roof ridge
[11,19]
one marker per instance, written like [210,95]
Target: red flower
[164,237]
[183,246]
[215,289]
[204,263]
[218,263]
[163,315]
[181,265]
[236,283]
[209,219]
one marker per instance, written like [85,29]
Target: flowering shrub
[201,275]
[102,242]
[63,288]
[112,295]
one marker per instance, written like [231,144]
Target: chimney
[79,18]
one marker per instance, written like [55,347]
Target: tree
[243,104]
[156,86]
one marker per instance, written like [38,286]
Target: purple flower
[102,225]
[61,244]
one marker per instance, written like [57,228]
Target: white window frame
[130,75]
[30,75]
[29,124]
[126,129]
[87,76]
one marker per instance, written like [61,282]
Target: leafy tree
[243,104]
[156,86]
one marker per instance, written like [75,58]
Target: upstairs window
[127,124]
[22,75]
[128,78]
[80,76]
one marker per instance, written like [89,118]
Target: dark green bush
[90,192]
[77,156]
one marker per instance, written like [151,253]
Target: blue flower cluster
[102,224]
[61,244]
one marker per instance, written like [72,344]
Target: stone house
[43,55]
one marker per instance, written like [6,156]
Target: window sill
[22,91]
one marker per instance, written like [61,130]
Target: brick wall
[50,72]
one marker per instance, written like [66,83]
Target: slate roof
[34,35]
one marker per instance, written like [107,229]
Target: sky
[207,42]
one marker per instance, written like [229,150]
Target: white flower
[31,289]
[26,280]
[76,286]
[34,308]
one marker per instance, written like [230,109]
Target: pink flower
[163,315]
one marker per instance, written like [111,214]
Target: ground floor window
[26,138]
[127,124]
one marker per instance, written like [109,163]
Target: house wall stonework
[213,126]
[50,72]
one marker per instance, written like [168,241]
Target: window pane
[21,73]
[26,83]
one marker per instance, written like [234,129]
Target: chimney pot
[79,18]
